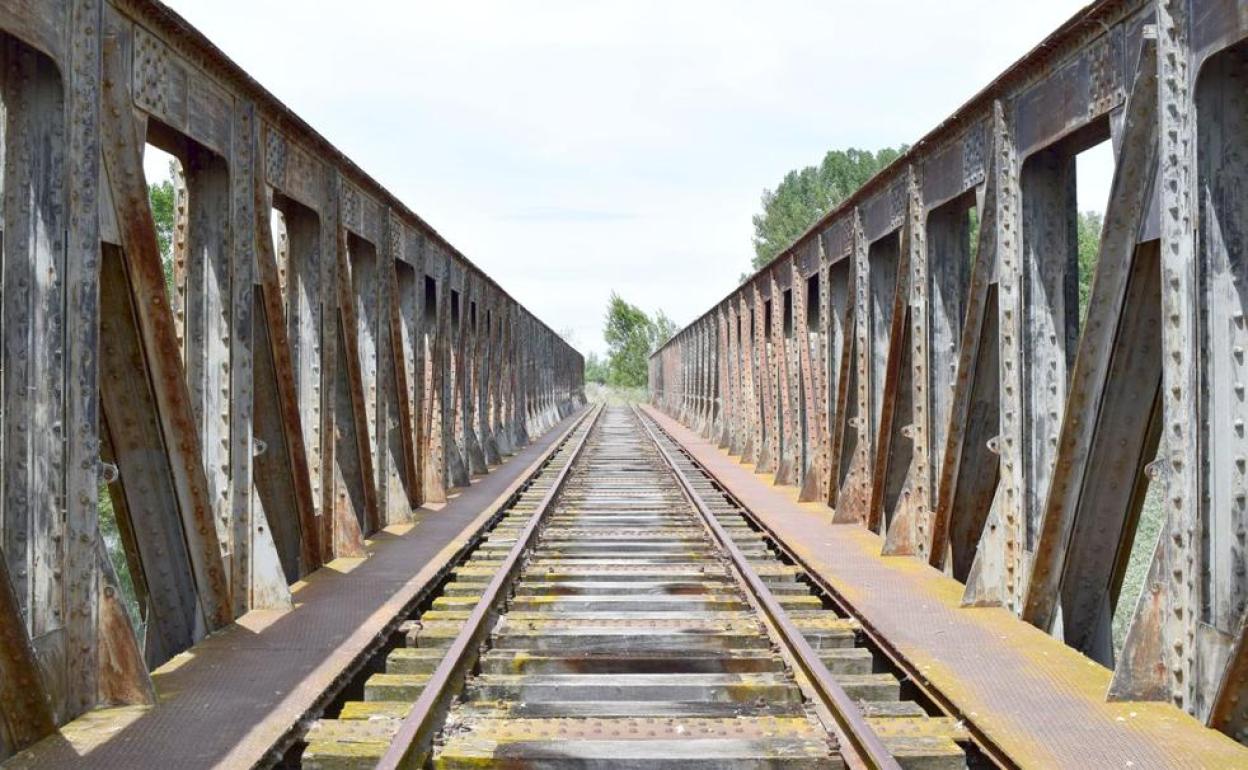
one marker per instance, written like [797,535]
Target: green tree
[1089,234]
[163,200]
[631,337]
[805,195]
[595,369]
[662,329]
[628,333]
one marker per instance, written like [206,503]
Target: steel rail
[411,742]
[982,740]
[852,731]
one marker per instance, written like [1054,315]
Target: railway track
[625,613]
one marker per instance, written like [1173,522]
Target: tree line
[805,195]
[631,336]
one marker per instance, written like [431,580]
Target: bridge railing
[315,362]
[919,359]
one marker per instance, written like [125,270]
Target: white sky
[573,147]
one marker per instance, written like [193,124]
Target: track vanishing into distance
[625,612]
[944,483]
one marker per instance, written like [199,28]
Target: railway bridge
[315,491]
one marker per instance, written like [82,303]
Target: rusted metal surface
[968,413]
[159,359]
[268,409]
[26,714]
[289,429]
[854,734]
[1115,388]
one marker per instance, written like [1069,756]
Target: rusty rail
[410,744]
[852,731]
[982,740]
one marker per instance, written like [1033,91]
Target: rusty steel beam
[281,410]
[1116,388]
[297,385]
[946,392]
[171,398]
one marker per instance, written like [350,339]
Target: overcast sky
[572,147]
